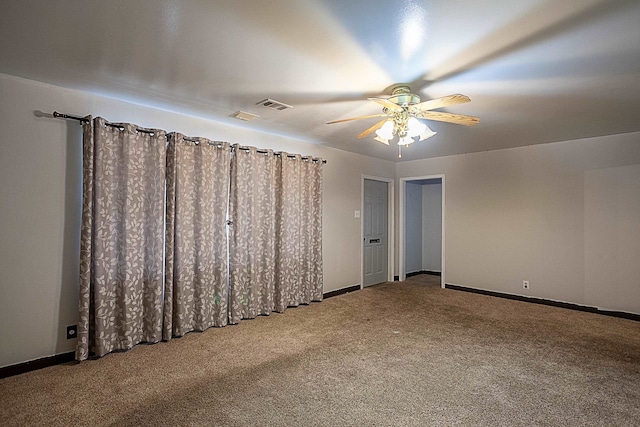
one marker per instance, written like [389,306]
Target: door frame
[402,274]
[390,228]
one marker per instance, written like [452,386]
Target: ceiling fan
[401,112]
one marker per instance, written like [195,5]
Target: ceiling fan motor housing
[402,96]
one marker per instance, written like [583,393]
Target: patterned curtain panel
[121,260]
[196,237]
[299,232]
[252,236]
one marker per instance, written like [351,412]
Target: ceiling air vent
[274,105]
[243,115]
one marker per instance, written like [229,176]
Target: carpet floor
[396,354]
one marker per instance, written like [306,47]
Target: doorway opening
[421,240]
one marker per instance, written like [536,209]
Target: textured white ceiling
[536,71]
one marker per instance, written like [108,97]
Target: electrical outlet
[72,332]
[525,284]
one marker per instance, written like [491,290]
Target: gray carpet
[395,354]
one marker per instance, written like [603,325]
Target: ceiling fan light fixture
[405,140]
[386,131]
[415,127]
[426,133]
[381,139]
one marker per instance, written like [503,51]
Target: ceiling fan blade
[386,103]
[372,129]
[357,118]
[458,119]
[445,101]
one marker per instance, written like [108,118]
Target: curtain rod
[115,125]
[84,120]
[277,153]
[68,116]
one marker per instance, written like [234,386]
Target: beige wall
[40,192]
[564,216]
[413,234]
[612,237]
[432,226]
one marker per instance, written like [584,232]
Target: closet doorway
[421,227]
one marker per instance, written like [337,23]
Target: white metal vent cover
[274,105]
[243,115]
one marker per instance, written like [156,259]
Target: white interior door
[375,244]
